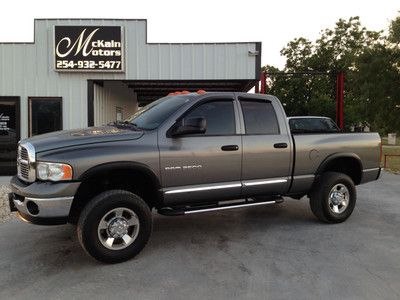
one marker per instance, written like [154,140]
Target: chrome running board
[170,211]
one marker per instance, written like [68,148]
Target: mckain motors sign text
[88,48]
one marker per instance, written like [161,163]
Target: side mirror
[189,126]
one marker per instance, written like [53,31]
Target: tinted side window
[219,115]
[259,117]
[312,125]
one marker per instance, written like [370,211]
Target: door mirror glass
[189,126]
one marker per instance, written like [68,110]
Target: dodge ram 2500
[185,154]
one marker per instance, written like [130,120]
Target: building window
[45,115]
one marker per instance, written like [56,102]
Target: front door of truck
[203,166]
[266,149]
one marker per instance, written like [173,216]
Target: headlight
[53,171]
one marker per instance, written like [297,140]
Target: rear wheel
[333,197]
[114,226]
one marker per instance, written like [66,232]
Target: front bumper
[42,202]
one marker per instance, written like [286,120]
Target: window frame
[224,98]
[261,100]
[31,99]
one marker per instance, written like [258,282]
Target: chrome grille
[25,171]
[24,153]
[25,162]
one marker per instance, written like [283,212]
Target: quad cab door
[204,166]
[267,158]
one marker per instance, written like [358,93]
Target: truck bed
[312,150]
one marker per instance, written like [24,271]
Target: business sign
[88,48]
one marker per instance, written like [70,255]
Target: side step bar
[168,211]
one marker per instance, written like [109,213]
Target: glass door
[9,135]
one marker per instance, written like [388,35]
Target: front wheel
[333,197]
[114,226]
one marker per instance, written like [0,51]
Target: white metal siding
[108,98]
[28,69]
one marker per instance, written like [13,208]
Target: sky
[274,23]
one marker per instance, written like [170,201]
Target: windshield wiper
[134,125]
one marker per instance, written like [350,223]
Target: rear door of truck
[267,146]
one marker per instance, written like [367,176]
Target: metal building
[89,72]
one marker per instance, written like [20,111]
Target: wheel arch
[131,176]
[128,165]
[347,163]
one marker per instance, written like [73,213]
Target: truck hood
[78,137]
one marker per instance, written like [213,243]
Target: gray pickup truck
[185,154]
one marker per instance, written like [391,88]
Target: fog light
[32,208]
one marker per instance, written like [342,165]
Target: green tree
[376,82]
[371,62]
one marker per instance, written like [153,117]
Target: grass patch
[392,162]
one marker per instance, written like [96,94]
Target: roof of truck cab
[195,95]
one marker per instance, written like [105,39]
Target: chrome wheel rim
[339,198]
[118,228]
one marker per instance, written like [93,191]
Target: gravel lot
[4,209]
[276,252]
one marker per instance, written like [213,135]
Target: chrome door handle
[280,145]
[230,148]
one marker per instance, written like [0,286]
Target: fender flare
[121,165]
[339,155]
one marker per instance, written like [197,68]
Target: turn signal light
[53,171]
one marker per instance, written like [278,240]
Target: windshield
[312,125]
[154,114]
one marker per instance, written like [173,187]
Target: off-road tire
[319,195]
[93,212]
